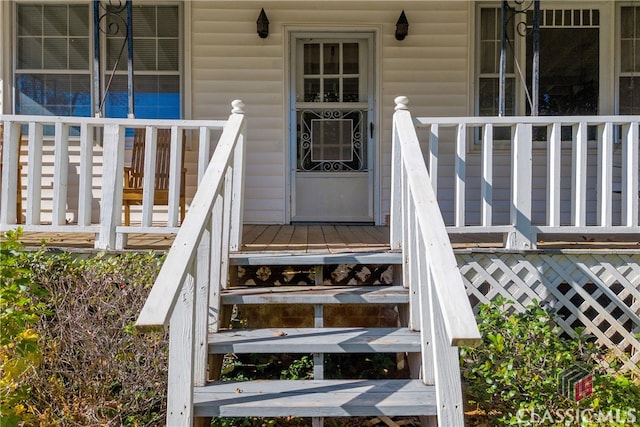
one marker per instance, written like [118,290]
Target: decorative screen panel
[331,140]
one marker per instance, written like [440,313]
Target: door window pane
[351,53]
[331,58]
[311,90]
[312,58]
[351,90]
[332,90]
[331,72]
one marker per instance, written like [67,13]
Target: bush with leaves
[20,353]
[94,367]
[514,375]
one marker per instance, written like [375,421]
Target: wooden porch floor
[256,238]
[324,239]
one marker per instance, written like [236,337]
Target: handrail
[439,306]
[186,294]
[158,308]
[413,178]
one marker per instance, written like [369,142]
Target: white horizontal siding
[229,61]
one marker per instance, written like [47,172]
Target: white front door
[332,128]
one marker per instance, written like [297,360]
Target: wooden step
[315,398]
[315,340]
[316,295]
[262,258]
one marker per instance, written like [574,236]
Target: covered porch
[512,182]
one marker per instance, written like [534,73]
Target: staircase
[320,397]
[194,288]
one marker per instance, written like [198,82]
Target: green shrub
[20,353]
[515,375]
[94,368]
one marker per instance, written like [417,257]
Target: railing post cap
[402,103]
[237,106]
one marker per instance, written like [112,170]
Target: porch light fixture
[402,27]
[263,25]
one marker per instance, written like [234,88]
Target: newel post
[237,198]
[401,109]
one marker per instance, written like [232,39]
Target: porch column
[521,172]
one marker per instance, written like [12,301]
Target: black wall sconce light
[263,25]
[402,27]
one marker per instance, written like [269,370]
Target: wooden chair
[133,175]
[19,186]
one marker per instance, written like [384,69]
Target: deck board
[265,239]
[299,238]
[251,232]
[315,239]
[322,239]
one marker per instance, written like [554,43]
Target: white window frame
[14,36]
[608,44]
[104,73]
[618,49]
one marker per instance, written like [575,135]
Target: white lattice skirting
[597,290]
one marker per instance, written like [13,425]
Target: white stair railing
[185,294]
[439,306]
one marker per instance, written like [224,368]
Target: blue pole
[97,111]
[131,112]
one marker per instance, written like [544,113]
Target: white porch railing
[558,186]
[91,153]
[186,292]
[439,306]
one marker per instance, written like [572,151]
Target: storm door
[332,129]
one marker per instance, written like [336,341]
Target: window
[156,61]
[52,66]
[332,72]
[629,77]
[569,61]
[54,56]
[489,65]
